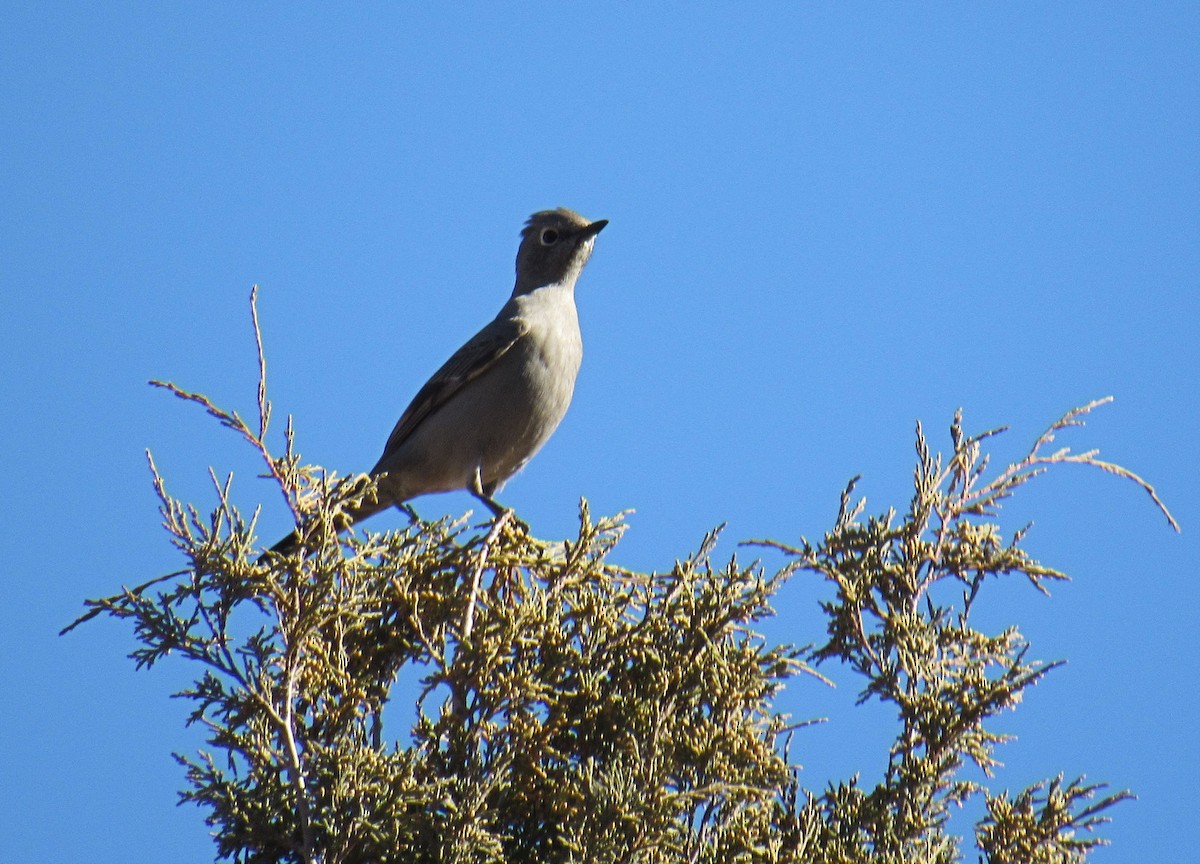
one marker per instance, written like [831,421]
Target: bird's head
[555,245]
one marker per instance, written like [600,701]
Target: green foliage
[572,710]
[916,649]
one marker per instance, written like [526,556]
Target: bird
[489,409]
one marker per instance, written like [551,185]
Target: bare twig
[296,769]
[264,407]
[497,526]
[1035,463]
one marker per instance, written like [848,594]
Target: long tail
[296,540]
[285,546]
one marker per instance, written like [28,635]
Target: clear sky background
[827,223]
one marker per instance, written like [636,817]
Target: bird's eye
[549,236]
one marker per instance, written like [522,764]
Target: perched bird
[500,396]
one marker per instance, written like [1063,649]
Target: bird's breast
[554,342]
[539,382]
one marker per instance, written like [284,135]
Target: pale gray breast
[539,386]
[553,349]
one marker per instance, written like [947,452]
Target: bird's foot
[483,493]
[491,503]
[407,509]
[499,511]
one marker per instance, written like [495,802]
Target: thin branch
[296,769]
[264,407]
[497,526]
[1112,468]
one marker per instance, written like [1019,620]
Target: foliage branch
[569,709]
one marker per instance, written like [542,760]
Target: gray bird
[498,399]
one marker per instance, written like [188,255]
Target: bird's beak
[593,229]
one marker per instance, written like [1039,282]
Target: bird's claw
[407,509]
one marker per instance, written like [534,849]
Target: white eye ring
[549,236]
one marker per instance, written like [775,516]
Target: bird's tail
[368,506]
[285,546]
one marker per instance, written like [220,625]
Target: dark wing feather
[465,365]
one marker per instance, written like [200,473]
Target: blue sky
[828,222]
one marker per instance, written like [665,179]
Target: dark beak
[593,229]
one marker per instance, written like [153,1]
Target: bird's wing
[470,361]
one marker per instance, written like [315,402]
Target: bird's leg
[484,494]
[476,489]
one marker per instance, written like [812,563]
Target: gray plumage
[497,400]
